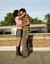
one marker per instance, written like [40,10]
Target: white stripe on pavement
[7,48]
[13,48]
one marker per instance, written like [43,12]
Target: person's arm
[22,25]
[27,23]
[21,16]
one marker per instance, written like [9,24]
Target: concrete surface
[10,57]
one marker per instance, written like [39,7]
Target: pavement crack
[42,58]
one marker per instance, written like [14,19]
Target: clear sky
[35,8]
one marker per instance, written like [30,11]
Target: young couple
[23,27]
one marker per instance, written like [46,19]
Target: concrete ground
[34,58]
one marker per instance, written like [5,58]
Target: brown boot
[18,51]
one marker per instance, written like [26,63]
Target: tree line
[9,20]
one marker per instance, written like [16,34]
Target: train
[34,28]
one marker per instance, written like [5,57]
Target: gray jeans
[24,42]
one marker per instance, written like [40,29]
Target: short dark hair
[22,9]
[15,13]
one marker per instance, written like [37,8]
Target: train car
[35,28]
[8,30]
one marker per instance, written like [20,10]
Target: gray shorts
[19,32]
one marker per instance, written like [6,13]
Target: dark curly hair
[15,13]
[22,9]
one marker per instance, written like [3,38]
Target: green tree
[8,20]
[37,21]
[47,18]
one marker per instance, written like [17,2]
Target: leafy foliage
[47,18]
[35,20]
[9,20]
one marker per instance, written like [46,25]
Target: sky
[35,8]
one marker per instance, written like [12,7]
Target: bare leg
[18,46]
[18,41]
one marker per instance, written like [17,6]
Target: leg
[24,43]
[18,41]
[19,36]
[18,46]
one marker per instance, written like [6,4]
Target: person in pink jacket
[19,25]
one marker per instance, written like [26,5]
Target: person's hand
[24,13]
